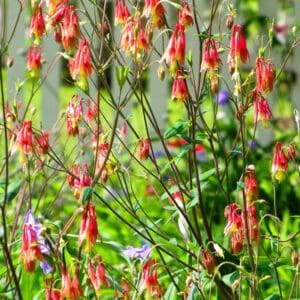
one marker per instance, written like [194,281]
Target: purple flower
[29,219]
[252,144]
[222,97]
[137,253]
[46,267]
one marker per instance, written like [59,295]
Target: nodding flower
[122,13]
[134,39]
[88,227]
[149,280]
[179,89]
[265,75]
[234,227]
[69,28]
[37,25]
[144,148]
[280,163]
[34,61]
[24,141]
[262,111]
[175,51]
[97,273]
[251,188]
[91,112]
[80,65]
[234,219]
[210,57]
[155,10]
[74,114]
[80,180]
[70,289]
[238,48]
[184,15]
[51,293]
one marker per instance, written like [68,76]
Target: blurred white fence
[158,91]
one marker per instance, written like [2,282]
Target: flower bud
[208,261]
[229,22]
[291,152]
[295,258]
[10,61]
[161,72]
[214,84]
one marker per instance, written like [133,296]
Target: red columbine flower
[54,6]
[234,219]
[280,163]
[184,15]
[42,142]
[262,110]
[235,226]
[155,10]
[251,188]
[88,227]
[126,289]
[175,51]
[210,57]
[37,24]
[265,75]
[144,148]
[70,289]
[97,275]
[24,141]
[179,89]
[91,112]
[80,66]
[34,61]
[149,280]
[238,48]
[51,292]
[121,12]
[74,115]
[30,250]
[70,30]
[134,39]
[81,180]
[208,261]
[237,240]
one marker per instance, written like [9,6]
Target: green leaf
[204,176]
[13,190]
[86,194]
[121,74]
[193,293]
[26,285]
[184,149]
[240,185]
[171,293]
[274,297]
[229,279]
[177,129]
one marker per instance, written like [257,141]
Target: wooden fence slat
[16,49]
[50,90]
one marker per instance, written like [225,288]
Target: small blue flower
[222,97]
[137,253]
